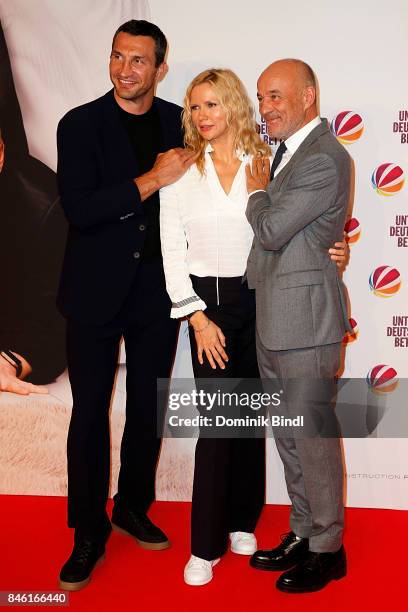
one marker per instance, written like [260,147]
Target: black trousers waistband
[230,289]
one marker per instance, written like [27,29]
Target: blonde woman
[206,240]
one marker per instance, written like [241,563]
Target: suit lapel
[117,140]
[308,141]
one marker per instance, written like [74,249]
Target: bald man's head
[299,70]
[287,97]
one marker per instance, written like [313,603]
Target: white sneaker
[243,543]
[198,571]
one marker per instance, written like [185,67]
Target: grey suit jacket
[300,298]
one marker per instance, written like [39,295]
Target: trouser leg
[209,528]
[150,344]
[247,484]
[92,358]
[229,481]
[149,356]
[313,466]
[247,476]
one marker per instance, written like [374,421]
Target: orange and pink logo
[347,127]
[382,378]
[351,336]
[353,230]
[385,281]
[387,179]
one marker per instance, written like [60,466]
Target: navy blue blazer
[107,220]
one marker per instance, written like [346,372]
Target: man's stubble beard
[141,93]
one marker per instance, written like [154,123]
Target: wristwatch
[13,361]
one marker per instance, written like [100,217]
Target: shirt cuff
[186,307]
[256,191]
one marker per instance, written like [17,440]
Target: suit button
[136,254]
[142,227]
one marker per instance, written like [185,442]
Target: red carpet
[35,542]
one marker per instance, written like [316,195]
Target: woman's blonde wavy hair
[239,109]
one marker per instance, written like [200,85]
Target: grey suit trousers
[313,466]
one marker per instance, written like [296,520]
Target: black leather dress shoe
[291,550]
[314,572]
[140,527]
[76,572]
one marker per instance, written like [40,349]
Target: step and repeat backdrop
[54,56]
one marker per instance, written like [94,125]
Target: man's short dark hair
[140,27]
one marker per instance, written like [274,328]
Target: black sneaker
[76,572]
[139,526]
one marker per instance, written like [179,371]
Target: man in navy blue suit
[114,154]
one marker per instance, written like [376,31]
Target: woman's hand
[10,382]
[210,340]
[340,253]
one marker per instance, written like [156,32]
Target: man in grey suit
[296,213]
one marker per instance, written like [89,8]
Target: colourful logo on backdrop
[352,335]
[388,179]
[385,281]
[353,230]
[382,378]
[347,126]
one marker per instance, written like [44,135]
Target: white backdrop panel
[357,50]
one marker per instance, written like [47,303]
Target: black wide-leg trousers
[150,339]
[229,473]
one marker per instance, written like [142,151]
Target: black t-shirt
[145,134]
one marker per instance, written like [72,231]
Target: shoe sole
[201,583]
[273,568]
[240,552]
[337,574]
[142,543]
[77,586]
